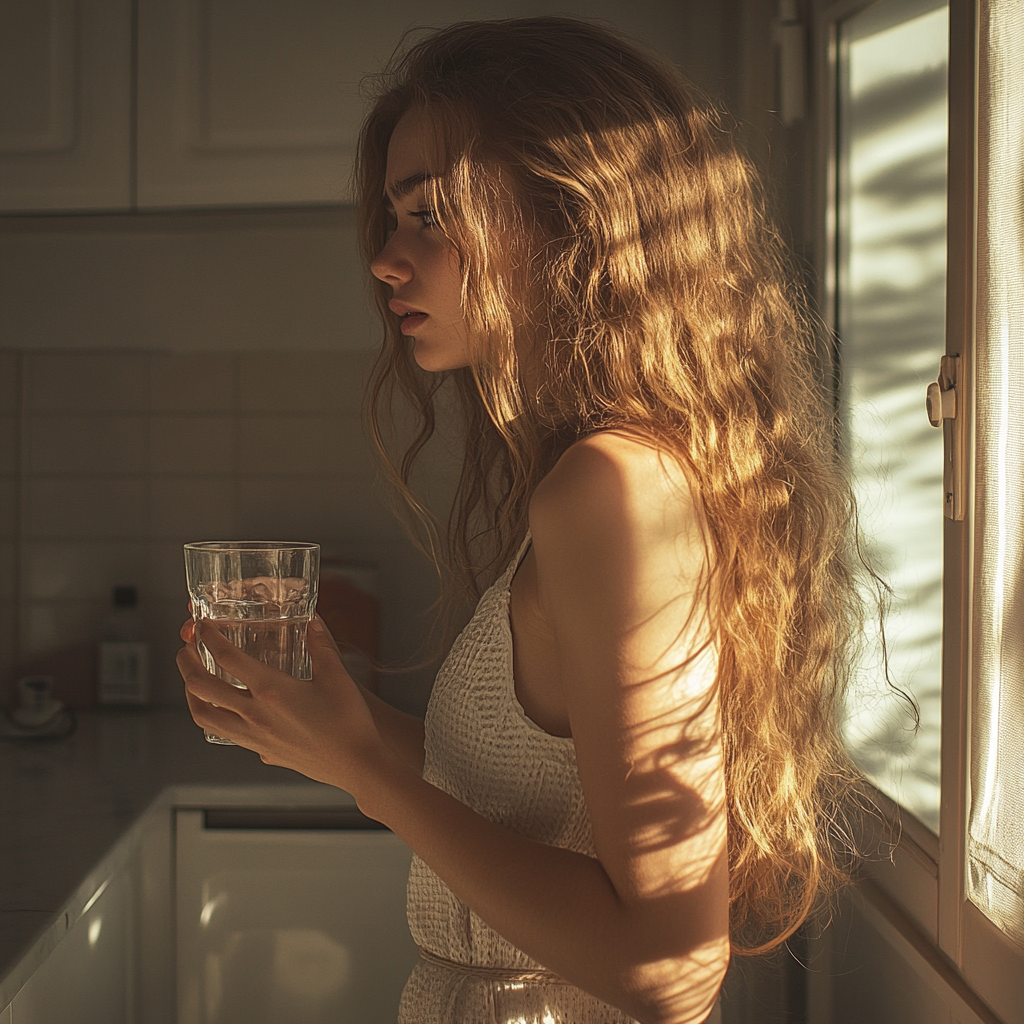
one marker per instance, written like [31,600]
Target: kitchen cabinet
[235,103]
[290,916]
[234,917]
[207,103]
[65,105]
[114,962]
[248,104]
[89,978]
[88,849]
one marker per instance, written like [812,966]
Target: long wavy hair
[607,227]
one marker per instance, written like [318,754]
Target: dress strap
[520,554]
[507,974]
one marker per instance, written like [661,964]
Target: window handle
[941,404]
[944,411]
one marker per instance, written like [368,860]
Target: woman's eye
[426,218]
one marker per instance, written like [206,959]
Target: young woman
[629,767]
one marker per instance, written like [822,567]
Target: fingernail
[316,624]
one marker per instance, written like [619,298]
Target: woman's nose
[390,266]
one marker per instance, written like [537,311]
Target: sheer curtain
[996,829]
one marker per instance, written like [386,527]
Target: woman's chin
[434,359]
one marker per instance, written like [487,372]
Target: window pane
[995,844]
[891,306]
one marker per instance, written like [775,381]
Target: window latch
[945,410]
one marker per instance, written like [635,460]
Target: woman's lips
[411,317]
[411,321]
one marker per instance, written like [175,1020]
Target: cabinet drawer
[294,916]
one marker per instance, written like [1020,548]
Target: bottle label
[124,672]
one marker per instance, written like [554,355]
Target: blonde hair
[601,213]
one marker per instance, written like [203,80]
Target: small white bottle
[124,654]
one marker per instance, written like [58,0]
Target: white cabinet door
[89,977]
[290,924]
[245,103]
[65,105]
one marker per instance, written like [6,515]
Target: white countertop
[68,809]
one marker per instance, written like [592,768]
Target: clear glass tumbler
[261,594]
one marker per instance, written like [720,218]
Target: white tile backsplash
[85,444]
[344,378]
[191,508]
[8,621]
[87,508]
[284,508]
[84,569]
[66,382]
[165,620]
[8,444]
[8,549]
[167,570]
[129,454]
[274,382]
[50,625]
[9,370]
[285,444]
[357,509]
[347,450]
[192,443]
[192,382]
[8,507]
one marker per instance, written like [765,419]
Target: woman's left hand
[319,727]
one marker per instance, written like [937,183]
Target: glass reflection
[891,289]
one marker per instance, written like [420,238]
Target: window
[891,298]
[920,123]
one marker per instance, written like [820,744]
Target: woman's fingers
[230,658]
[209,688]
[321,727]
[323,650]
[318,637]
[318,626]
[217,720]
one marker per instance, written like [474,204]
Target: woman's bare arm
[401,731]
[644,925]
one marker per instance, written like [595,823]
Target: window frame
[924,882]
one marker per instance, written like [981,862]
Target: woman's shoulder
[620,483]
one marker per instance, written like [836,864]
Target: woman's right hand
[321,727]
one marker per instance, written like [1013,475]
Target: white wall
[268,280]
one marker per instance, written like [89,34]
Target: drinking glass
[261,594]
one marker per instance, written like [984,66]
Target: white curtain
[996,830]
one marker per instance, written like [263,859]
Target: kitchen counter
[69,809]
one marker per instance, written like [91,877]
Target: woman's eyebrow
[401,188]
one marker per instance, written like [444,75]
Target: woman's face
[417,261]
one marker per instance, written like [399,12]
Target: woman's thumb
[318,637]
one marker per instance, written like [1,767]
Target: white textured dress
[483,750]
